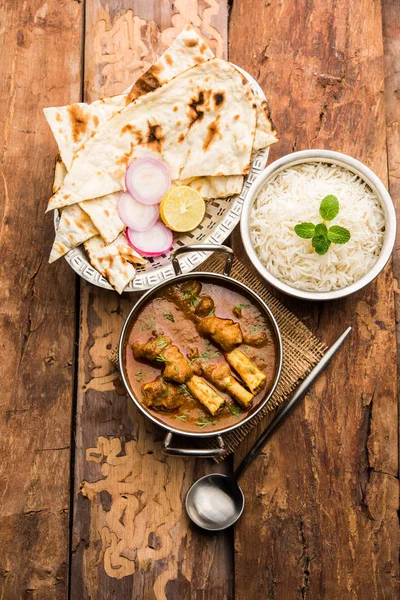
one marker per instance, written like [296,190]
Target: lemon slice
[182,208]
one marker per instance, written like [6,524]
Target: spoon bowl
[215,502]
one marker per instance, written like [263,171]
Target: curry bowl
[217,345]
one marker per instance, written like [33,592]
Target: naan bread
[201,123]
[113,261]
[75,226]
[216,187]
[104,215]
[73,125]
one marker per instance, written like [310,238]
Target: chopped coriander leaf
[212,312]
[182,417]
[203,422]
[162,344]
[168,315]
[148,325]
[139,375]
[234,410]
[255,328]
[204,356]
[251,369]
[161,358]
[185,390]
[191,296]
[229,385]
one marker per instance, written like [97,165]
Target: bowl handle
[203,248]
[197,452]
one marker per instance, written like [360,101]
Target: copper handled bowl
[203,277]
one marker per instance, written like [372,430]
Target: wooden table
[321,519]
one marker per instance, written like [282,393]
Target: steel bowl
[330,157]
[228,282]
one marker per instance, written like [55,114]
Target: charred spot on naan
[198,59]
[168,59]
[58,117]
[155,137]
[157,68]
[128,128]
[96,120]
[267,111]
[213,132]
[219,99]
[125,159]
[194,113]
[148,82]
[190,43]
[78,119]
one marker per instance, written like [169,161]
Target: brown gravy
[161,314]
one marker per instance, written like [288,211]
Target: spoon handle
[288,407]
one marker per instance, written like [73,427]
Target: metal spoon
[216,501]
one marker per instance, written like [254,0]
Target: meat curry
[200,356]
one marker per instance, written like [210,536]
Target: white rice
[294,196]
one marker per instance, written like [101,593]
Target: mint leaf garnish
[338,235]
[321,244]
[305,230]
[321,236]
[329,208]
[320,229]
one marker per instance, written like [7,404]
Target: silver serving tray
[221,218]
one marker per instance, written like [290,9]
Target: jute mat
[301,349]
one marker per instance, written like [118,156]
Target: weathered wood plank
[323,497]
[40,48]
[391,44]
[136,544]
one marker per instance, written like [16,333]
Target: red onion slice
[136,215]
[153,242]
[148,179]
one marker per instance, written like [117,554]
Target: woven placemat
[301,349]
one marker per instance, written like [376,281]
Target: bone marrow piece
[205,394]
[252,376]
[221,376]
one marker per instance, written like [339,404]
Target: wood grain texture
[131,537]
[324,494]
[40,48]
[391,43]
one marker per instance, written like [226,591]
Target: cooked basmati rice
[294,196]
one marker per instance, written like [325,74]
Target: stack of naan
[195,112]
